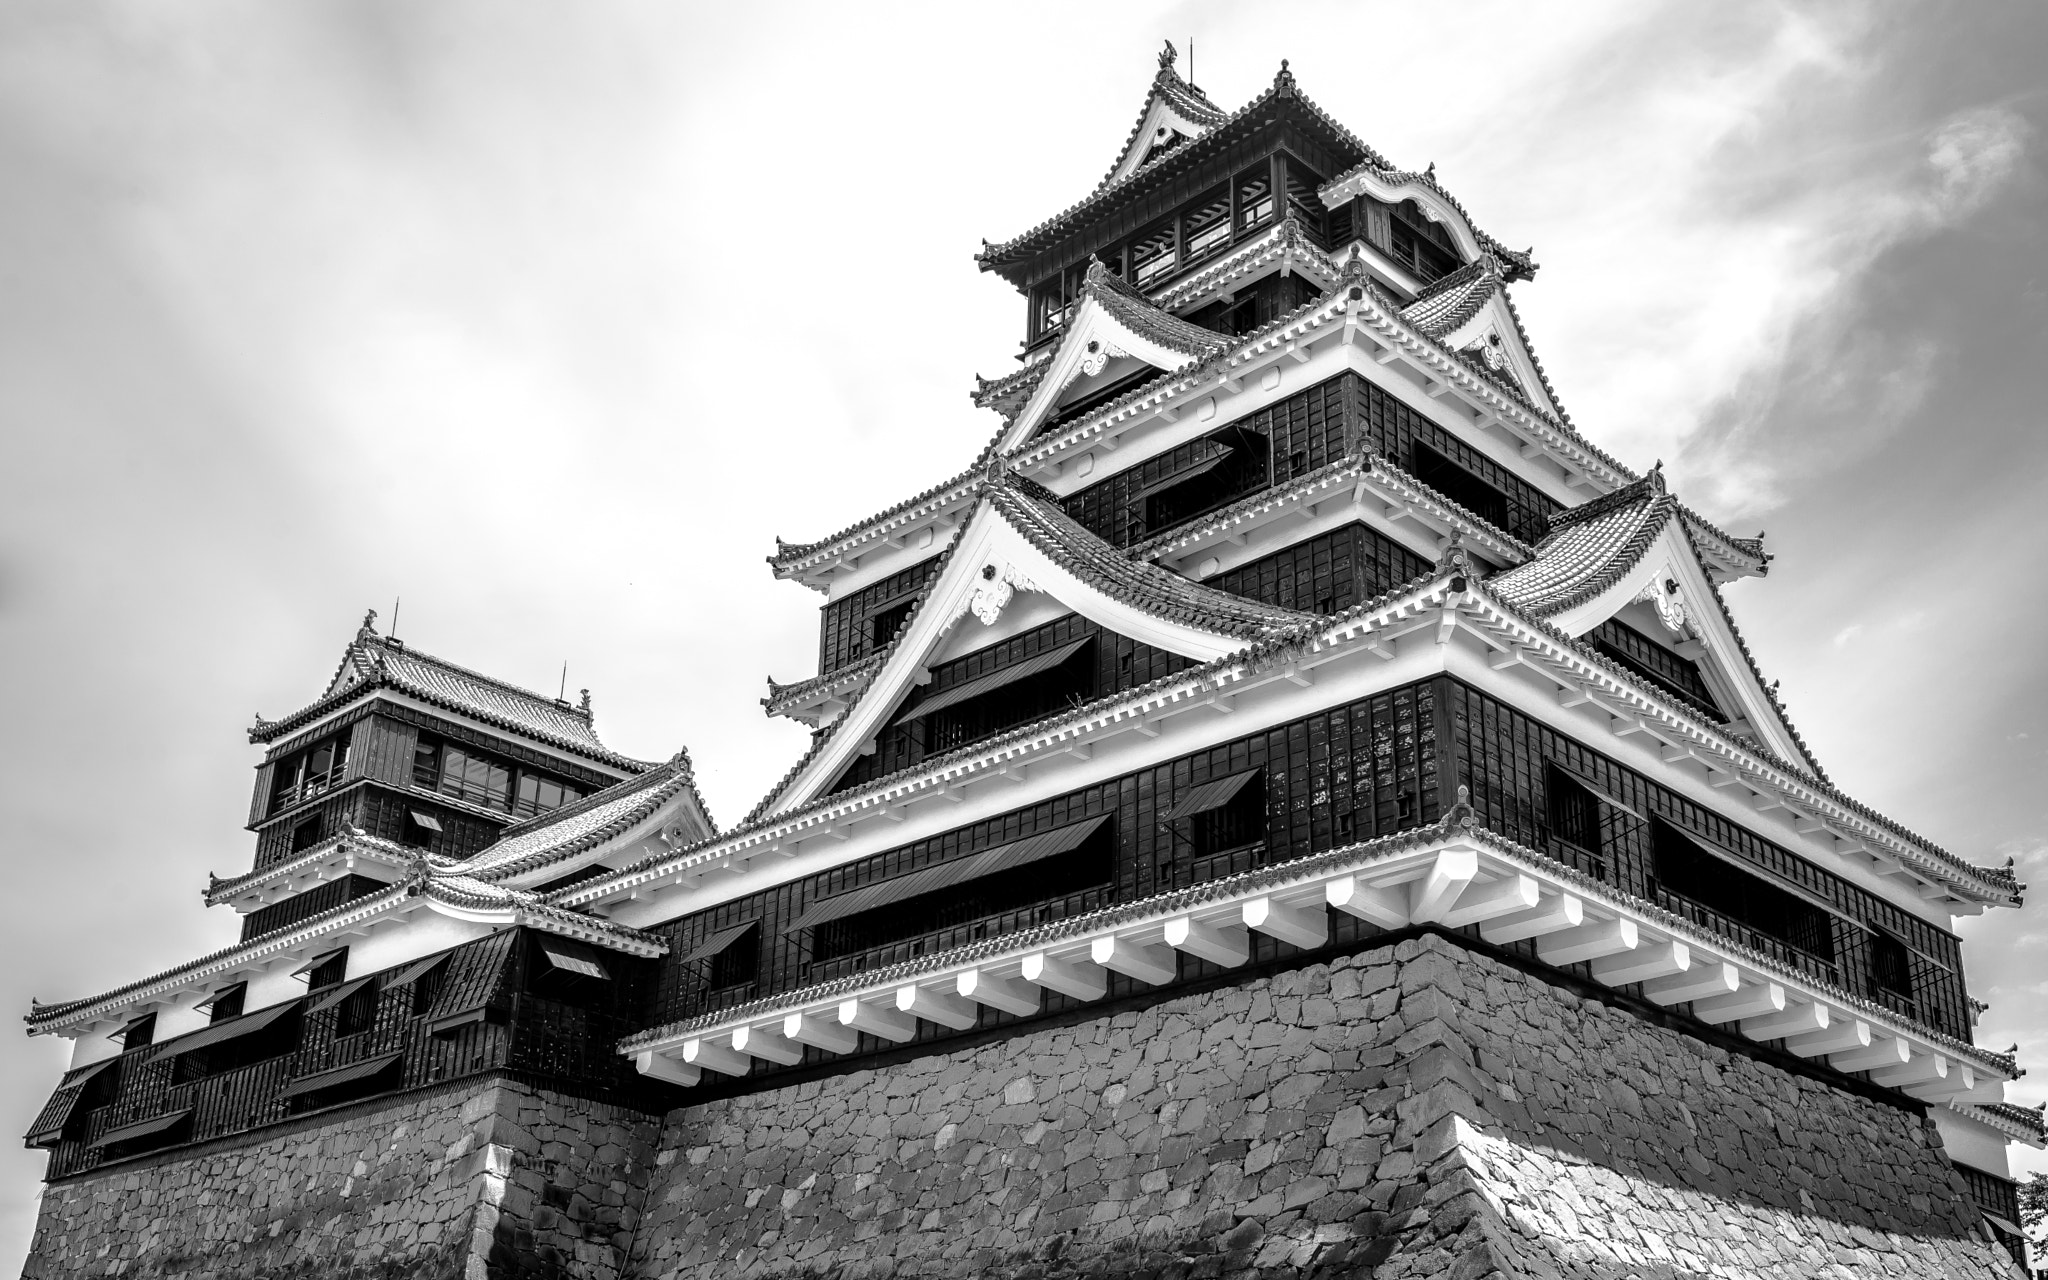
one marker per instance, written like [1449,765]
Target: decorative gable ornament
[994,589]
[1664,597]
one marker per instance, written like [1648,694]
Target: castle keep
[1291,804]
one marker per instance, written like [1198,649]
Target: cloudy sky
[547,318]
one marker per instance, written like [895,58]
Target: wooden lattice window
[1574,811]
[311,772]
[1685,867]
[1459,485]
[1670,671]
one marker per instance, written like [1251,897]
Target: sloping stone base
[1422,1110]
[487,1178]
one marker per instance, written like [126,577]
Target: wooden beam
[708,1054]
[657,1067]
[1482,902]
[1794,1020]
[937,1006]
[1848,1035]
[1152,964]
[1432,897]
[1221,944]
[1075,979]
[1385,907]
[1007,994]
[1650,960]
[1701,982]
[1589,941]
[877,1021]
[1750,1002]
[1306,926]
[768,1044]
[1881,1053]
[1562,911]
[811,1029]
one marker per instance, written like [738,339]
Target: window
[1422,246]
[1891,969]
[1048,307]
[1223,815]
[1731,895]
[305,835]
[420,829]
[884,624]
[1459,485]
[138,1032]
[1019,692]
[358,1013]
[738,963]
[1009,877]
[1205,227]
[1303,204]
[1668,670]
[1255,197]
[326,970]
[539,794]
[1154,253]
[226,1003]
[305,774]
[1235,465]
[1574,811]
[465,775]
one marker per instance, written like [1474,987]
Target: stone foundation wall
[1422,1110]
[489,1178]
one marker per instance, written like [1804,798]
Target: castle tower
[1291,803]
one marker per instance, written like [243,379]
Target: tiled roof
[1138,313]
[575,828]
[1588,549]
[373,661]
[1251,115]
[1036,514]
[1184,98]
[518,907]
[783,696]
[354,840]
[1519,264]
[1451,300]
[788,553]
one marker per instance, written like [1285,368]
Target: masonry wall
[1418,1110]
[482,1178]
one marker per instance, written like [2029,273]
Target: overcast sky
[549,317]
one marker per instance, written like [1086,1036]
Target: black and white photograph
[1304,640]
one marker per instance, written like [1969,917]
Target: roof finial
[1168,56]
[584,705]
[368,631]
[1656,476]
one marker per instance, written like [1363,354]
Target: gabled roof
[1173,109]
[1110,320]
[1593,549]
[1450,300]
[374,662]
[1377,178]
[1253,115]
[1588,548]
[1017,537]
[432,884]
[667,791]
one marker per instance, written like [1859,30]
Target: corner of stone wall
[496,1181]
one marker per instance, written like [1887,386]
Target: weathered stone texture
[496,1179]
[1417,1111]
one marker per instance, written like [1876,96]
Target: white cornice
[1446,876]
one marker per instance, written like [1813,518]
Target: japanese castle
[1283,613]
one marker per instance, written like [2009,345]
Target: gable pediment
[1115,332]
[1667,597]
[1175,113]
[1019,562]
